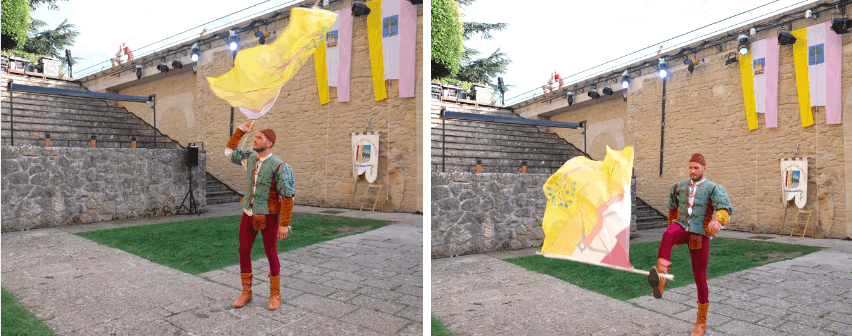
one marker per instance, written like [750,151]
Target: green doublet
[284,180]
[708,194]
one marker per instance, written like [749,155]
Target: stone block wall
[474,213]
[314,139]
[606,121]
[45,187]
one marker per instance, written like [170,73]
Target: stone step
[506,162]
[126,124]
[505,148]
[651,225]
[437,124]
[498,141]
[520,156]
[57,138]
[218,192]
[72,118]
[76,133]
[494,169]
[485,132]
[76,143]
[223,199]
[452,107]
[61,102]
[37,81]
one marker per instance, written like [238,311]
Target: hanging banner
[817,56]
[333,59]
[794,181]
[365,155]
[747,79]
[587,218]
[765,69]
[260,72]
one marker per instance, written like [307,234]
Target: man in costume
[698,209]
[267,205]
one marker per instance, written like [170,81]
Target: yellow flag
[260,72]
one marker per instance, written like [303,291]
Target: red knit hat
[270,135]
[699,159]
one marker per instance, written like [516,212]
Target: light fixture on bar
[607,91]
[663,68]
[359,9]
[570,97]
[841,25]
[594,94]
[163,68]
[625,80]
[195,52]
[785,38]
[138,71]
[743,44]
[177,64]
[233,40]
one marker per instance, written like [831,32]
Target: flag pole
[631,270]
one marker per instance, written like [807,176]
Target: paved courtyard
[364,284]
[811,295]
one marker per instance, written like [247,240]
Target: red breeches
[270,241]
[676,235]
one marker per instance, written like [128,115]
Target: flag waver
[260,72]
[588,210]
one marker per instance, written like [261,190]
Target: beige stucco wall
[314,139]
[704,113]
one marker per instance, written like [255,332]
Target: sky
[104,25]
[573,36]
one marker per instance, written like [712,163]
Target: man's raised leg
[674,235]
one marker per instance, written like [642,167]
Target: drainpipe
[443,141]
[663,126]
[11,114]
[585,150]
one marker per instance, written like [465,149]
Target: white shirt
[693,187]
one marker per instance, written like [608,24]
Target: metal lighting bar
[510,120]
[75,93]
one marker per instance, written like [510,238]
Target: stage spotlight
[731,60]
[594,95]
[690,64]
[841,25]
[195,52]
[360,9]
[663,68]
[233,40]
[261,36]
[177,64]
[607,91]
[163,68]
[743,44]
[570,98]
[786,38]
[138,71]
[625,80]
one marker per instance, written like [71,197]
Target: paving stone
[351,277]
[408,280]
[123,327]
[343,285]
[341,266]
[808,310]
[376,273]
[317,324]
[770,311]
[741,304]
[836,307]
[840,328]
[663,306]
[412,329]
[411,290]
[377,321]
[201,320]
[322,305]
[798,329]
[736,313]
[805,299]
[212,273]
[413,301]
[308,287]
[737,327]
[311,277]
[373,303]
[342,296]
[384,284]
[254,325]
[379,293]
[808,320]
[771,322]
[411,313]
[840,317]
[774,303]
[770,292]
[309,268]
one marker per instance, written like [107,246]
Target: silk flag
[794,181]
[765,71]
[365,155]
[587,218]
[260,72]
[338,58]
[817,56]
[747,78]
[392,31]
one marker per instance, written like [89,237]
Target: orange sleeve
[235,139]
[722,216]
[286,210]
[673,216]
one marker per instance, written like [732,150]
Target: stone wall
[314,139]
[45,187]
[606,122]
[704,113]
[473,213]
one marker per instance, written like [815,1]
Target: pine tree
[482,70]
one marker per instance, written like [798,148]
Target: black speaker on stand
[191,161]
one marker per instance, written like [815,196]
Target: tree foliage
[52,42]
[447,36]
[482,70]
[15,17]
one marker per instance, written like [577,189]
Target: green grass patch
[201,245]
[726,256]
[439,329]
[17,319]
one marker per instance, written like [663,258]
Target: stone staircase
[71,121]
[501,147]
[218,192]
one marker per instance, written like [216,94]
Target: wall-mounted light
[731,59]
[690,64]
[594,94]
[261,36]
[663,68]
[195,52]
[743,44]
[359,9]
[163,68]
[625,80]
[785,38]
[177,64]
[570,97]
[810,14]
[233,40]
[138,71]
[607,91]
[841,25]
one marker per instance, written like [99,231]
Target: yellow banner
[800,60]
[374,35]
[261,71]
[322,73]
[747,76]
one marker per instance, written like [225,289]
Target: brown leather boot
[246,295]
[274,292]
[701,321]
[658,283]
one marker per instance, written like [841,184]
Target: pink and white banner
[339,53]
[824,65]
[399,34]
[765,68]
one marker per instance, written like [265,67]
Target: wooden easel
[372,197]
